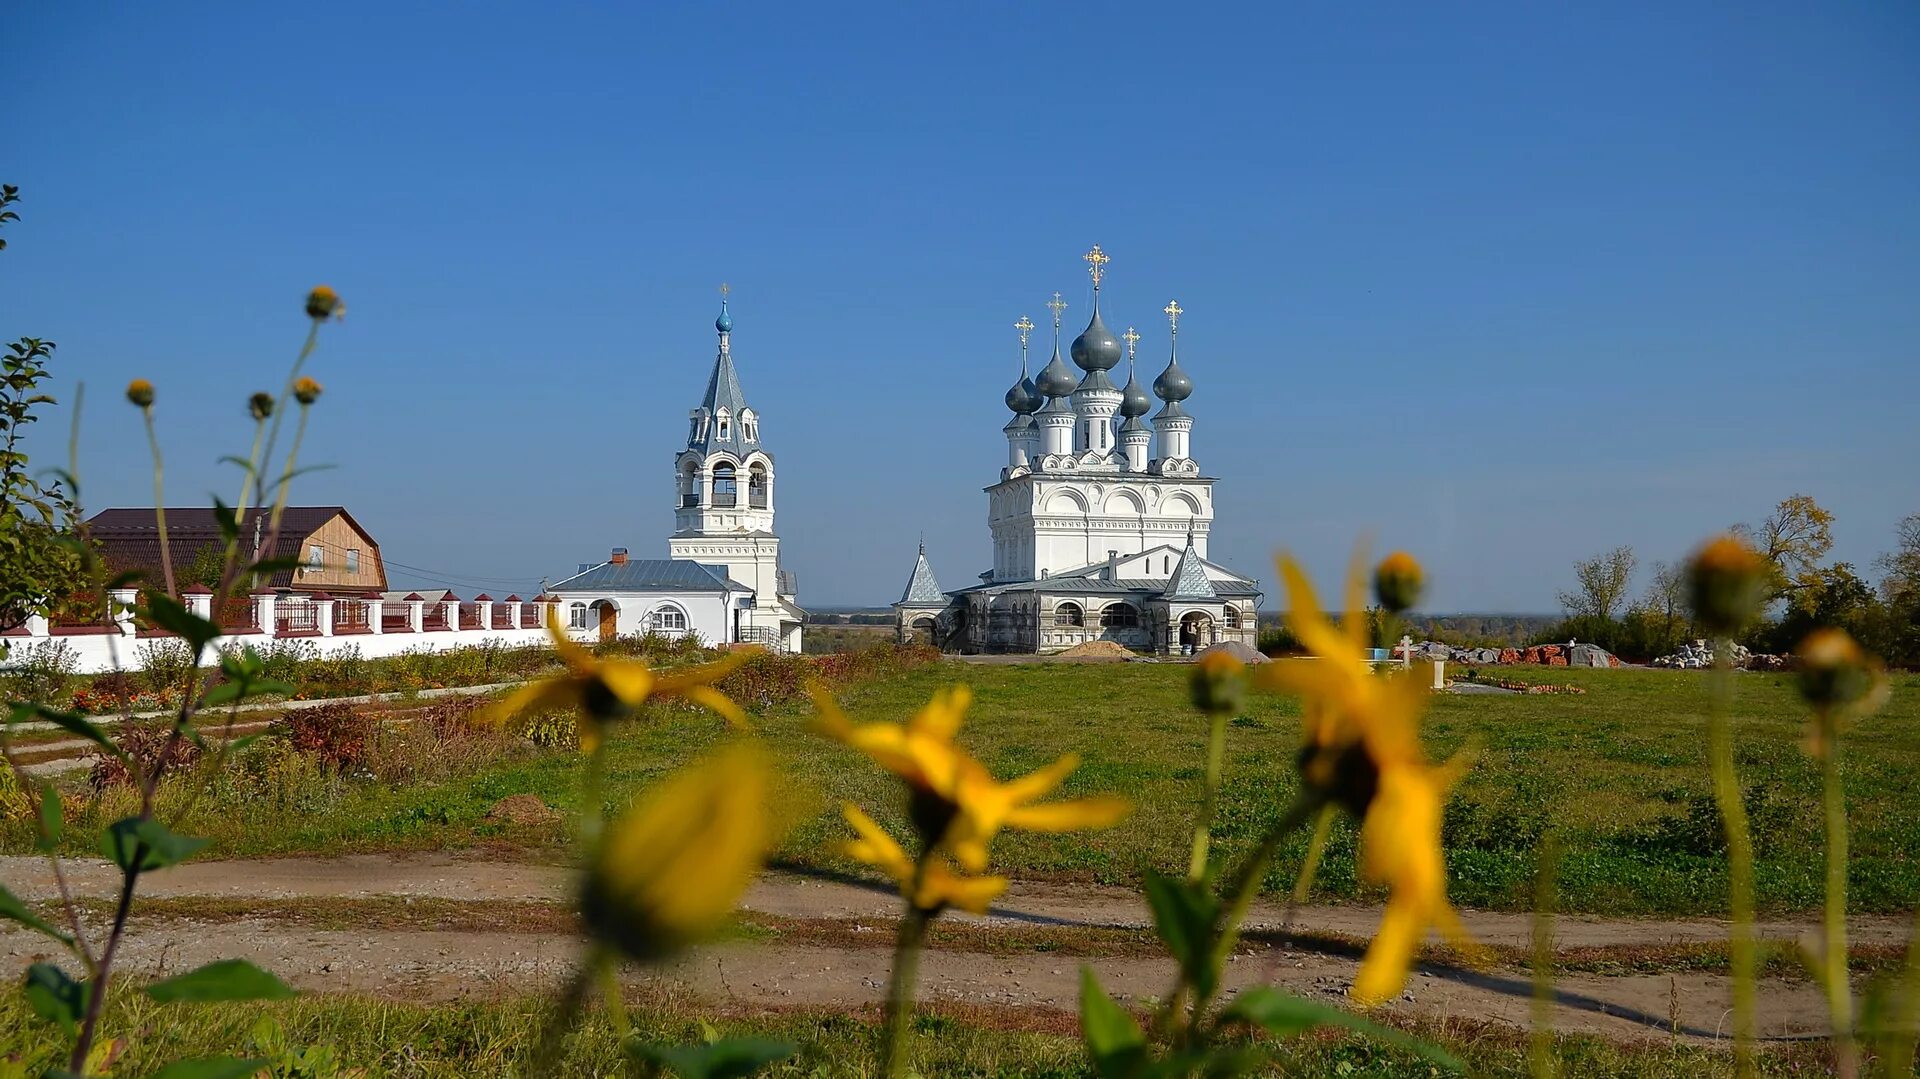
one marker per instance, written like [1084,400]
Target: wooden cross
[1097,261]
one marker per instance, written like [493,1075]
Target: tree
[1902,564]
[1793,541]
[1602,585]
[39,559]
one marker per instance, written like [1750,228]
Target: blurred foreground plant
[141,843]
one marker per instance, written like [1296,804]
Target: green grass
[496,1038]
[1619,772]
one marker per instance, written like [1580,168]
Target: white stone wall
[708,614]
[1045,523]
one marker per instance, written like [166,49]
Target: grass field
[1619,772]
[495,1038]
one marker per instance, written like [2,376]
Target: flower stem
[1839,989]
[159,500]
[906,968]
[1203,827]
[1733,816]
[1310,865]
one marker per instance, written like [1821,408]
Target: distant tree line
[1805,591]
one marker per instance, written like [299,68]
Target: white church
[1099,528]
[721,578]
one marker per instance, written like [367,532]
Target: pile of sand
[1242,652]
[1097,650]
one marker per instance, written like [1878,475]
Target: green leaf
[226,979]
[1183,915]
[56,997]
[152,843]
[1113,1038]
[1285,1015]
[210,1068]
[229,692]
[13,909]
[51,822]
[71,722]
[169,613]
[227,519]
[728,1058]
[267,566]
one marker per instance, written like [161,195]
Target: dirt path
[448,876]
[438,964]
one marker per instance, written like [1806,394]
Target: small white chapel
[722,577]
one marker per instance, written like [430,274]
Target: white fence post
[323,613]
[376,618]
[483,610]
[122,600]
[416,612]
[513,612]
[199,600]
[452,607]
[263,612]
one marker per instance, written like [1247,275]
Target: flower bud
[306,391]
[1836,673]
[1218,684]
[1727,585]
[1398,581]
[671,869]
[260,405]
[324,303]
[140,392]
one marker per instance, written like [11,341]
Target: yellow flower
[1363,751]
[672,868]
[600,691]
[938,887]
[953,801]
[1397,581]
[306,390]
[323,303]
[1840,680]
[1218,684]
[1727,585]
[140,392]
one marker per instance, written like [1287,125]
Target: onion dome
[1024,398]
[725,322]
[1056,379]
[1133,399]
[1096,349]
[1173,383]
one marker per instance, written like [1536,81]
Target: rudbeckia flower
[671,869]
[602,690]
[1363,751]
[938,886]
[954,801]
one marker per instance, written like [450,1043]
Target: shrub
[42,671]
[165,665]
[551,730]
[333,734]
[149,744]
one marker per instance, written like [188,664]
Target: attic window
[316,558]
[725,425]
[353,560]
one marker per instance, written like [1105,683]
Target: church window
[1069,614]
[1166,564]
[577,616]
[669,619]
[1120,615]
[724,492]
[757,487]
[749,426]
[1232,619]
[725,423]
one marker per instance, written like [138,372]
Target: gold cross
[1133,340]
[1097,260]
[724,289]
[1058,306]
[1025,326]
[1173,314]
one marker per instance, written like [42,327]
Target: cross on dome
[1132,338]
[1174,312]
[1025,326]
[1058,305]
[1097,263]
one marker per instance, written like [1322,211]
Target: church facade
[1100,519]
[722,576]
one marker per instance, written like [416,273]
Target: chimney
[619,557]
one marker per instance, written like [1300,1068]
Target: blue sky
[1503,285]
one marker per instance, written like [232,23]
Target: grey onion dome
[1173,384]
[1056,379]
[1133,399]
[1096,349]
[1024,398]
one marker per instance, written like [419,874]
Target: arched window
[723,424]
[690,484]
[1232,618]
[1120,614]
[724,493]
[668,619]
[1069,614]
[757,486]
[577,616]
[1166,564]
[749,426]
